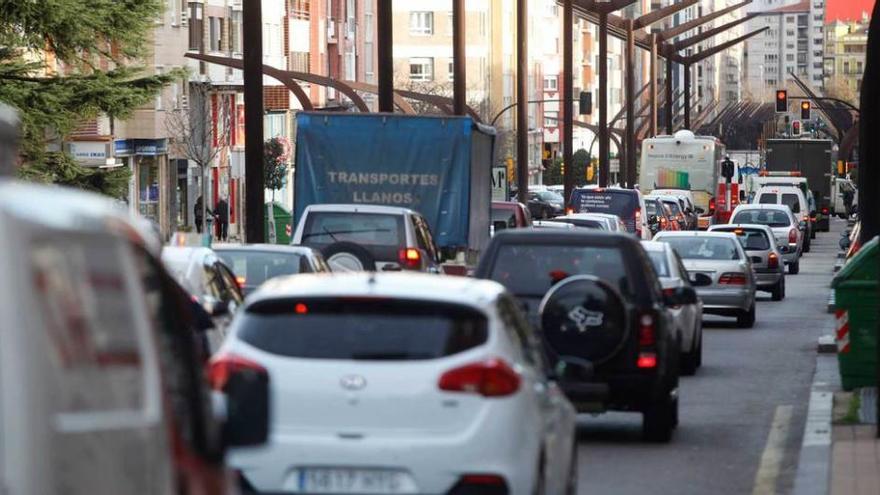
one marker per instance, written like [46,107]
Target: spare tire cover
[584,317]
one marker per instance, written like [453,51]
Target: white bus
[683,161]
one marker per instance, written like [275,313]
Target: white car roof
[754,226]
[759,206]
[655,246]
[695,233]
[360,208]
[424,287]
[774,188]
[265,248]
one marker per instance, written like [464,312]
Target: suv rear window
[622,203]
[768,199]
[771,218]
[792,201]
[366,229]
[370,330]
[531,269]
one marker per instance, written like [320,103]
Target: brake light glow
[825,211]
[240,281]
[482,480]
[647,333]
[712,205]
[732,279]
[410,258]
[569,211]
[773,261]
[301,309]
[221,367]
[739,231]
[647,360]
[792,236]
[490,378]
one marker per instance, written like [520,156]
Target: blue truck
[438,166]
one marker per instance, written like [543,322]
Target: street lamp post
[522,96]
[254,190]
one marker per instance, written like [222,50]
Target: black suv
[594,296]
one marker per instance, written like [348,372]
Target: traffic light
[796,128]
[781,101]
[806,106]
[590,172]
[562,169]
[547,156]
[586,103]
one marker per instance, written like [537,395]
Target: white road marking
[771,459]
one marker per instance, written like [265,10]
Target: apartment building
[845,49]
[793,44]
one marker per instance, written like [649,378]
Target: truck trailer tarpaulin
[438,166]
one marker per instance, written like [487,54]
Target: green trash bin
[282,220]
[856,300]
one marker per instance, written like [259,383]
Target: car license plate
[361,481]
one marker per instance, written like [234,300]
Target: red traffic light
[781,101]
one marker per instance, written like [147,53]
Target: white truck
[684,161]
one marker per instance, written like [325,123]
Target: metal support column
[687,96]
[629,167]
[652,131]
[522,97]
[252,37]
[603,101]
[385,45]
[568,98]
[459,58]
[670,102]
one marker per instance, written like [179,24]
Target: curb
[813,474]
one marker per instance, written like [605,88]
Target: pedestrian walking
[197,213]
[222,212]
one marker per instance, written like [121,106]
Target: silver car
[688,318]
[789,232]
[598,221]
[720,270]
[761,246]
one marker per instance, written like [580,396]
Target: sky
[847,9]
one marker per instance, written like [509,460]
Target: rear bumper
[624,392]
[768,280]
[435,462]
[724,301]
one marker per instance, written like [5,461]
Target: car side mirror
[681,296]
[699,210]
[701,280]
[247,408]
[499,225]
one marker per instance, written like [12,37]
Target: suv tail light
[221,367]
[647,330]
[490,378]
[483,484]
[772,260]
[732,279]
[410,259]
[647,360]
[792,236]
[712,206]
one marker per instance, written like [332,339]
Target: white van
[101,390]
[794,198]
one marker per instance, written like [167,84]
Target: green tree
[97,44]
[276,154]
[553,175]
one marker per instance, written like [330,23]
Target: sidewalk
[855,460]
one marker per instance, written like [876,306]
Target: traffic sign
[500,185]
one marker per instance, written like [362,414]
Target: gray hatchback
[766,257]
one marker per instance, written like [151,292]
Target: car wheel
[348,257]
[689,362]
[746,319]
[794,268]
[658,420]
[778,292]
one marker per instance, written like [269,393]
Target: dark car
[253,264]
[628,204]
[659,216]
[545,204]
[636,359]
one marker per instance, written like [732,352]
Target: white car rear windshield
[704,248]
[366,229]
[361,329]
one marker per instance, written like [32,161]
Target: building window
[551,119]
[551,83]
[300,9]
[421,23]
[421,69]
[451,71]
[214,34]
[450,25]
[235,31]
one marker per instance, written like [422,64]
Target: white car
[401,383]
[788,231]
[600,221]
[688,318]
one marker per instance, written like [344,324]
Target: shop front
[152,183]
